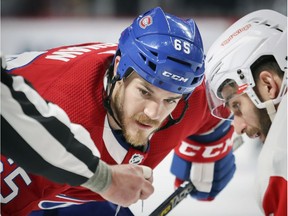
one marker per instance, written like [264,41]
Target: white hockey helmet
[228,61]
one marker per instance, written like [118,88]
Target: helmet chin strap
[271,110]
[107,98]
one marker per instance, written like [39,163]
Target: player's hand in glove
[208,178]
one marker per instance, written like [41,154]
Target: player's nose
[239,124]
[153,110]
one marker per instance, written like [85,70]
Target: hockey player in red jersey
[247,77]
[138,99]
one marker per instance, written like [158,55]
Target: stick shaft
[176,197]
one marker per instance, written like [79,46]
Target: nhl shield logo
[145,21]
[136,159]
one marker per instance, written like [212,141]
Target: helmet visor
[219,102]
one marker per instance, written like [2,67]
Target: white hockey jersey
[272,166]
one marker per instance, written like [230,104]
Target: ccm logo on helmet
[175,77]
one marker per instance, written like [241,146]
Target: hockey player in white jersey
[247,76]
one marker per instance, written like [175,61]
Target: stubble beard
[264,122]
[133,136]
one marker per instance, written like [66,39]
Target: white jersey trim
[114,148]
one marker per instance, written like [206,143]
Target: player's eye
[144,92]
[236,108]
[171,101]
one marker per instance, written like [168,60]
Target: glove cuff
[178,182]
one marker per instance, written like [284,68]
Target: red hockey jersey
[73,78]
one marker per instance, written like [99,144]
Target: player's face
[247,117]
[141,108]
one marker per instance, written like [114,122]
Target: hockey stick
[182,192]
[174,199]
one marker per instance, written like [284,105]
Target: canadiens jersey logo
[136,159]
[145,22]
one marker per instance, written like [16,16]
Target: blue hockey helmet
[165,50]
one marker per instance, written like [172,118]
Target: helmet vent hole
[279,29]
[152,65]
[195,80]
[154,53]
[210,58]
[160,82]
[179,61]
[142,56]
[179,88]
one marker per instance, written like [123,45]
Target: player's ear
[116,64]
[268,84]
